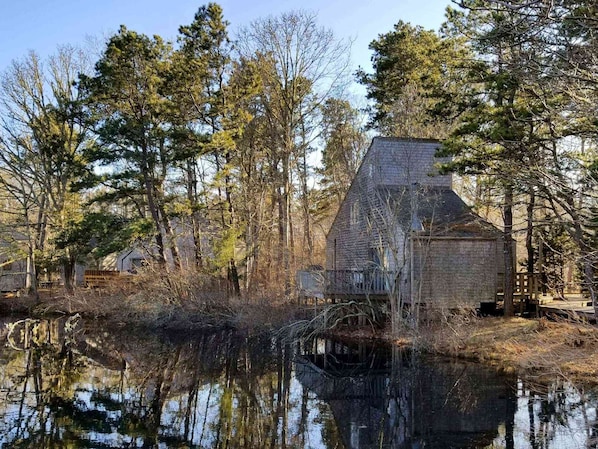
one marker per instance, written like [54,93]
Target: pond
[69,384]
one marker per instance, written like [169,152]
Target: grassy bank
[533,347]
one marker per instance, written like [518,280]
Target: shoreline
[534,347]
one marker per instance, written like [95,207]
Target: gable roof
[400,143]
[438,211]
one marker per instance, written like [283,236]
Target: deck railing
[358,282]
[526,284]
[379,282]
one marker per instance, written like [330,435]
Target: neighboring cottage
[402,232]
[129,260]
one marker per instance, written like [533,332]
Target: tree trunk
[252,243]
[233,277]
[193,201]
[226,206]
[153,209]
[197,246]
[508,251]
[41,225]
[233,272]
[68,270]
[588,272]
[529,244]
[31,269]
[307,237]
[530,231]
[174,250]
[282,258]
[284,225]
[31,275]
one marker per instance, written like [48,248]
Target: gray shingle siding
[457,272]
[457,265]
[389,161]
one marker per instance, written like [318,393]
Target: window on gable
[355,213]
[137,262]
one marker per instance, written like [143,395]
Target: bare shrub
[332,317]
[444,327]
[183,299]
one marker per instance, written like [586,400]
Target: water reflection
[66,384]
[73,386]
[389,398]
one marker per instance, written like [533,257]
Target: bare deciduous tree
[41,143]
[301,65]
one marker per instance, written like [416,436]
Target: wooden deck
[528,300]
[574,307]
[379,283]
[358,283]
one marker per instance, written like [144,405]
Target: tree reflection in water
[67,385]
[71,386]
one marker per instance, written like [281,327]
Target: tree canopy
[230,154]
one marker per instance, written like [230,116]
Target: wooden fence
[100,278]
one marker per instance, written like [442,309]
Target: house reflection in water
[383,397]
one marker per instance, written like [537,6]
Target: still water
[68,384]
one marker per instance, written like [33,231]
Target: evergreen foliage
[213,141]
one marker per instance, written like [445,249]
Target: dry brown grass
[153,298]
[536,347]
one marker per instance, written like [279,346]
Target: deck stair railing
[526,285]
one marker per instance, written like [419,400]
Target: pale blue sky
[42,25]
